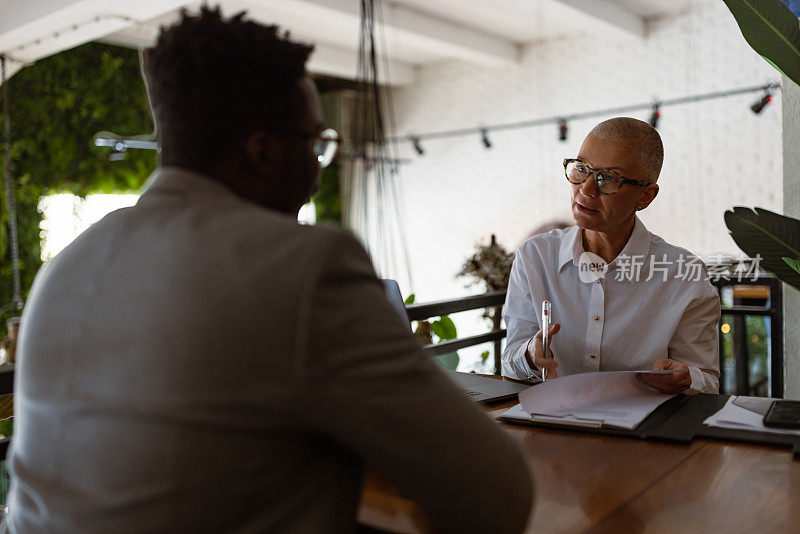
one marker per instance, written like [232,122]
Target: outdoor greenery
[56,107]
[757,337]
[444,329]
[328,199]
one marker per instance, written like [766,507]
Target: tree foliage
[56,107]
[328,199]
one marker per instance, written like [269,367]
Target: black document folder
[681,419]
[485,389]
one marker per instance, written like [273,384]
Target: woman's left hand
[671,382]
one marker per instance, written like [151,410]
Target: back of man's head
[213,81]
[638,137]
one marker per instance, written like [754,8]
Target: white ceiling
[416,32]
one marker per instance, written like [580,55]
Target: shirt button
[596,317]
[593,356]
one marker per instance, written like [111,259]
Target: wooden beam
[33,30]
[611,14]
[402,23]
[340,62]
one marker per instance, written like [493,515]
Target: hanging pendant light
[374,202]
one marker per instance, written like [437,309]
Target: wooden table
[586,482]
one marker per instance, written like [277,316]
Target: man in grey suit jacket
[202,363]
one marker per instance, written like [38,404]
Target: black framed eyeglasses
[608,182]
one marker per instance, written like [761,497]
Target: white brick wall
[718,153]
[791,204]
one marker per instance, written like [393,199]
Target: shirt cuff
[530,374]
[698,381]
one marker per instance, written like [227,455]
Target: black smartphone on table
[783,414]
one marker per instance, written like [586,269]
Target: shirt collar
[571,247]
[572,244]
[639,242]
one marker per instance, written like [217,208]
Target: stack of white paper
[746,413]
[610,399]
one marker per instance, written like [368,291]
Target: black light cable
[563,120]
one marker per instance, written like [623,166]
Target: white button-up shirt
[654,302]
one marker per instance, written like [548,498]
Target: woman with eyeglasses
[621,297]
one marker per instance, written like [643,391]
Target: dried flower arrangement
[491,264]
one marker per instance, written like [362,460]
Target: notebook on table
[614,400]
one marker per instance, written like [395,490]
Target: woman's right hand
[534,353]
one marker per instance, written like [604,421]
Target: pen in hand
[538,355]
[545,334]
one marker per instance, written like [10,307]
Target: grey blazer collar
[171,180]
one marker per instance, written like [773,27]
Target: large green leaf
[793,263]
[448,361]
[772,30]
[772,236]
[444,328]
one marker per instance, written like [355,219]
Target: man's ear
[647,197]
[262,152]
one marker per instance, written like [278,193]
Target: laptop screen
[396,298]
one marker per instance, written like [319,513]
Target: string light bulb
[487,143]
[417,146]
[655,115]
[563,128]
[760,104]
